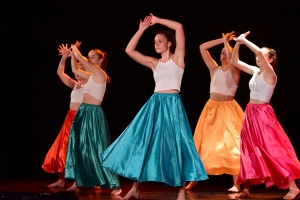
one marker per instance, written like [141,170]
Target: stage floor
[35,188]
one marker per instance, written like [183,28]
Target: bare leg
[134,191]
[181,193]
[245,192]
[293,192]
[191,185]
[235,187]
[60,183]
[73,188]
[116,191]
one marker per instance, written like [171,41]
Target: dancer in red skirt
[56,157]
[267,155]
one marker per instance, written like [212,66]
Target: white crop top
[260,90]
[223,83]
[77,94]
[95,89]
[167,76]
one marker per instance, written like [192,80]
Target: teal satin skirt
[157,145]
[89,137]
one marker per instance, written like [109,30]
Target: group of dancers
[158,145]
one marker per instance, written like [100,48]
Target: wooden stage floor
[35,188]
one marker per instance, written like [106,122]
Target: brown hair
[170,38]
[272,55]
[102,55]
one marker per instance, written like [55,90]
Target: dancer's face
[265,52]
[223,55]
[161,43]
[94,58]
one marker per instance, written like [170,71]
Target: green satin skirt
[89,137]
[157,146]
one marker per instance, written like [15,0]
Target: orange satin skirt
[55,160]
[217,137]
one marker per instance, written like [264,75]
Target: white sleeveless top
[95,89]
[167,76]
[77,94]
[222,82]
[260,90]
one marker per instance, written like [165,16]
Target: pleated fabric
[55,159]
[217,137]
[267,155]
[89,137]
[157,145]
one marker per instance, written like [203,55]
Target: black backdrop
[34,101]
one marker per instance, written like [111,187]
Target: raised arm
[179,36]
[269,74]
[228,49]
[209,61]
[98,74]
[235,57]
[63,50]
[131,47]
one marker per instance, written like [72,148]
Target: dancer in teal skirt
[158,144]
[89,135]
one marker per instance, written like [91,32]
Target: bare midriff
[74,106]
[89,99]
[220,97]
[255,101]
[167,91]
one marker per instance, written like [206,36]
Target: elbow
[179,26]
[202,47]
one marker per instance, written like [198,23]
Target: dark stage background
[34,101]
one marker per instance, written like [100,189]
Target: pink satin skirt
[267,155]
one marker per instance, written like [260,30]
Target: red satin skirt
[267,155]
[55,160]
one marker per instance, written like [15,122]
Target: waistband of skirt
[91,105]
[166,94]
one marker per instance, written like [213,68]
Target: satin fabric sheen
[217,137]
[55,160]
[267,155]
[157,145]
[89,137]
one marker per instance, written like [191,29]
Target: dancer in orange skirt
[267,155]
[56,157]
[217,135]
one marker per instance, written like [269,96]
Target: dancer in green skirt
[89,135]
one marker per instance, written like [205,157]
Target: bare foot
[191,185]
[292,193]
[133,193]
[116,191]
[233,189]
[73,188]
[97,187]
[243,194]
[181,194]
[59,184]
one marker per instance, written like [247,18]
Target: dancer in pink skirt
[267,155]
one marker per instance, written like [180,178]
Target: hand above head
[78,44]
[63,50]
[228,36]
[154,19]
[145,23]
[242,37]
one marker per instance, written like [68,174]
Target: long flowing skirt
[55,160]
[217,137]
[157,145]
[267,155]
[89,137]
